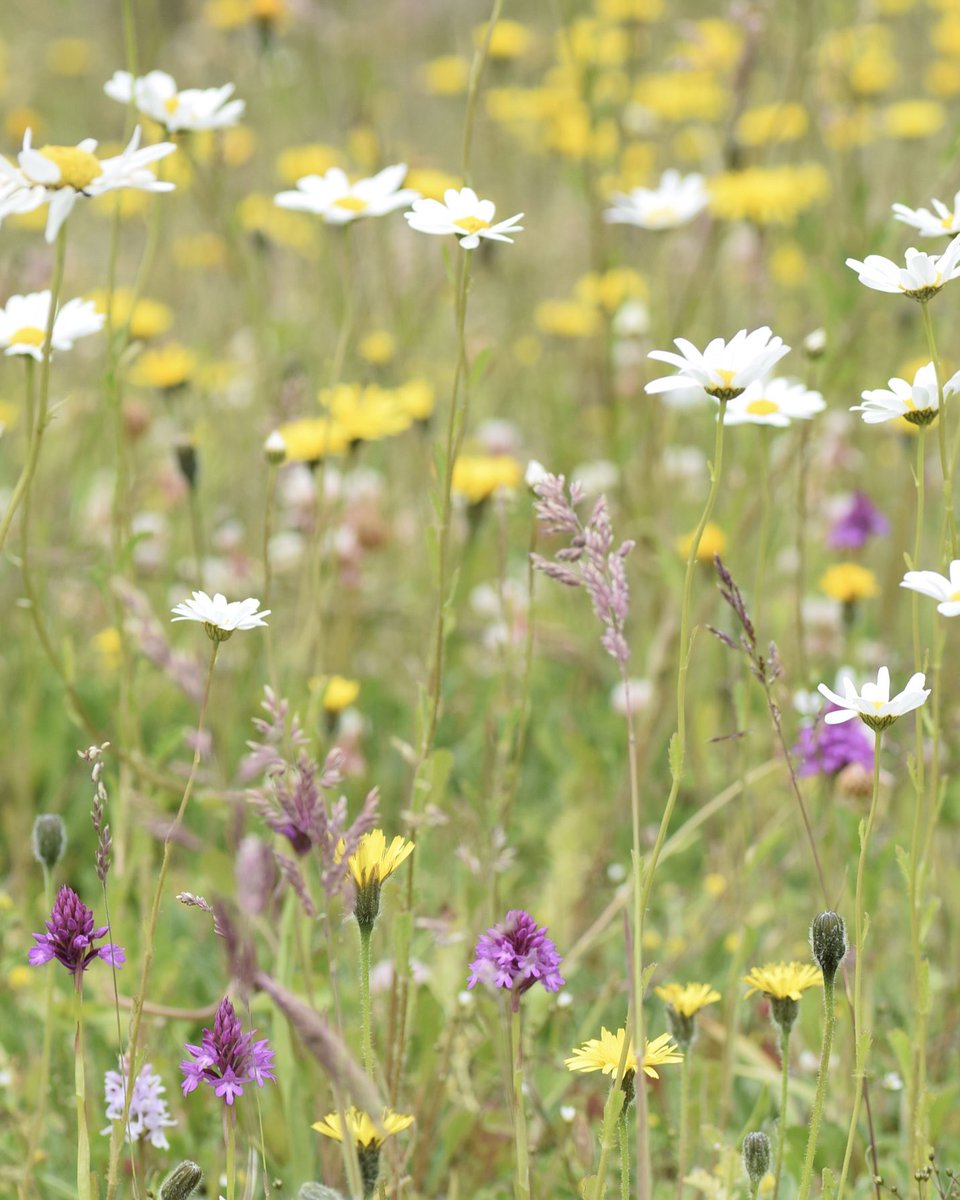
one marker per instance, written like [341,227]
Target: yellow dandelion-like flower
[339,693]
[148,318]
[768,195]
[477,476]
[416,398]
[712,542]
[688,998]
[199,251]
[911,119]
[430,182]
[849,582]
[362,1129]
[772,123]
[783,981]
[603,1054]
[311,439]
[373,861]
[366,414]
[108,645]
[314,158]
[378,347]
[509,40]
[682,95]
[567,318]
[445,76]
[167,367]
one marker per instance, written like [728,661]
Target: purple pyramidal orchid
[516,954]
[860,521]
[70,938]
[227,1058]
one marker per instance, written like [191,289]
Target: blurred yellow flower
[9,415]
[199,251]
[682,95]
[914,118]
[714,44]
[445,76]
[593,43]
[311,439]
[430,182]
[234,14]
[477,476]
[340,693]
[713,541]
[167,367]
[687,999]
[259,215]
[567,318]
[630,10]
[148,318]
[70,57]
[509,40]
[612,288]
[783,981]
[772,123]
[714,884]
[416,398]
[788,265]
[849,582]
[361,1127]
[861,58]
[943,78]
[768,195]
[365,414]
[378,346]
[19,977]
[18,120]
[107,645]
[314,158]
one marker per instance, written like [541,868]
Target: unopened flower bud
[756,1157]
[828,938]
[186,452]
[275,451]
[182,1182]
[815,343]
[534,474]
[682,1027]
[49,839]
[784,1011]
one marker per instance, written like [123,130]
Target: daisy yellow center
[28,335]
[472,224]
[947,222]
[878,704]
[726,377]
[954,597]
[78,168]
[350,203]
[171,105]
[762,408]
[666,212]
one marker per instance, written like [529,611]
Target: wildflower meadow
[479,555]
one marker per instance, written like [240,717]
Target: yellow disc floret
[78,168]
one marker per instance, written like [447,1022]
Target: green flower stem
[784,1086]
[268,515]
[684,1137]
[367,1034]
[624,1154]
[803,462]
[945,458]
[829,1021]
[151,929]
[43,1080]
[859,1016]
[196,530]
[39,422]
[766,509]
[522,1181]
[646,872]
[613,1109]
[230,1137]
[349,305]
[80,1088]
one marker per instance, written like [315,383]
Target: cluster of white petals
[156,96]
[675,201]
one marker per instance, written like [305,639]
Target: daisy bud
[49,839]
[815,343]
[182,1182]
[275,450]
[829,941]
[756,1157]
[186,452]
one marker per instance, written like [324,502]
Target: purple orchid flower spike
[227,1059]
[516,954]
[70,938]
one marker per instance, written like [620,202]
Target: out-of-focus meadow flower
[156,96]
[477,477]
[723,369]
[149,1115]
[859,521]
[849,582]
[713,541]
[516,954]
[922,277]
[70,938]
[826,749]
[464,214]
[917,402]
[774,402]
[220,617]
[338,201]
[24,320]
[873,704]
[675,201]
[227,1059]
[942,222]
[945,589]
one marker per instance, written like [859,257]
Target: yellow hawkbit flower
[312,439]
[362,1128]
[373,861]
[713,542]
[477,476]
[167,367]
[603,1054]
[849,582]
[783,981]
[688,998]
[339,693]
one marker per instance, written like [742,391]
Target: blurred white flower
[148,1115]
[462,213]
[338,201]
[922,277]
[675,200]
[939,587]
[641,695]
[596,477]
[157,97]
[944,222]
[773,402]
[23,323]
[917,402]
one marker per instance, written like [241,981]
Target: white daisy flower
[675,200]
[724,369]
[922,277]
[462,213]
[57,175]
[944,222]
[916,402]
[872,704]
[773,402]
[157,97]
[219,617]
[938,587]
[338,201]
[24,319]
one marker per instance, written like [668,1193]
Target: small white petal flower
[938,587]
[916,402]
[873,704]
[724,369]
[219,617]
[462,213]
[922,277]
[338,201]
[148,1115]
[944,222]
[773,402]
[157,97]
[675,200]
[23,324]
[57,175]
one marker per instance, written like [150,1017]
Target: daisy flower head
[944,589]
[516,954]
[219,617]
[57,175]
[942,222]
[724,369]
[775,402]
[227,1059]
[917,402]
[24,320]
[922,277]
[873,703]
[675,200]
[156,96]
[339,202]
[463,213]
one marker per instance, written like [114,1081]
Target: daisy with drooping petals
[774,402]
[725,369]
[333,197]
[675,200]
[57,175]
[917,402]
[218,617]
[157,97]
[873,704]
[24,319]
[944,222]
[922,277]
[939,587]
[462,213]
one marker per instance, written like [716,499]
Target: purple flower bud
[857,524]
[70,937]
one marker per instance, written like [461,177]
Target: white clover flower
[872,704]
[922,277]
[219,617]
[462,213]
[945,222]
[675,200]
[938,587]
[23,324]
[724,369]
[148,1116]
[157,97]
[916,402]
[57,175]
[773,402]
[338,201]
